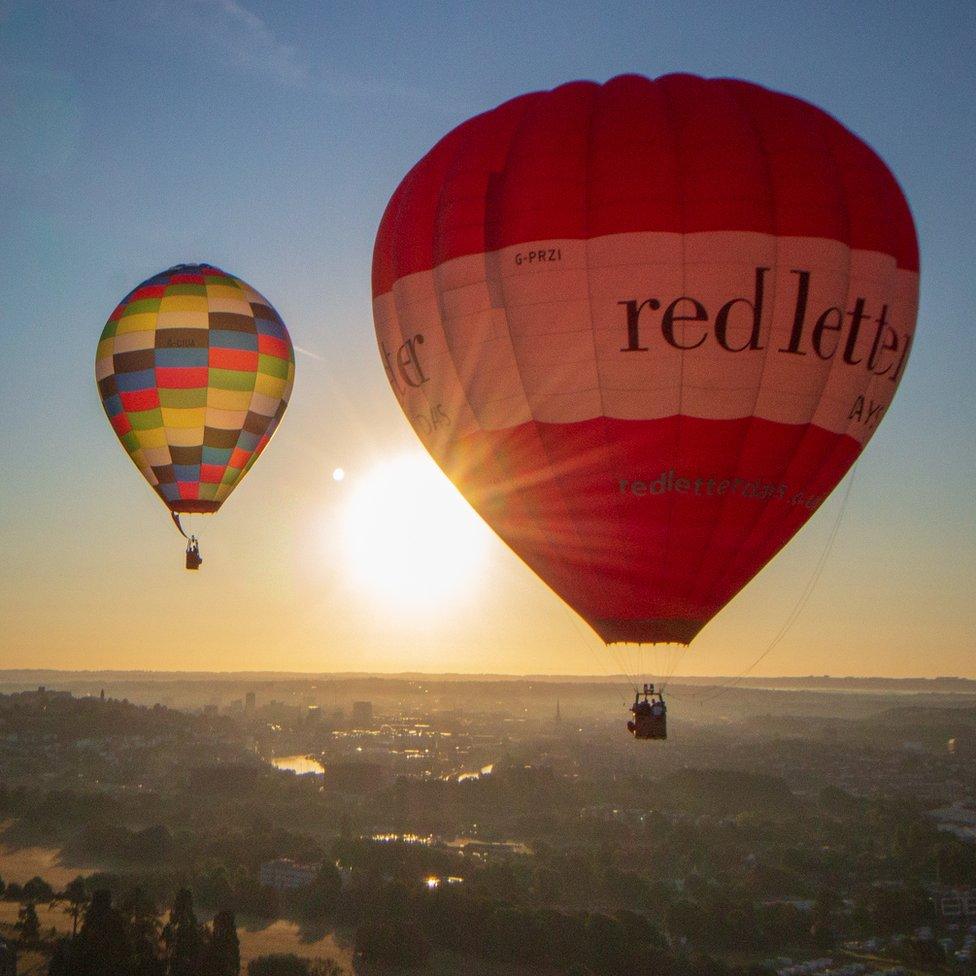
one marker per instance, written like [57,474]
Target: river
[298,764]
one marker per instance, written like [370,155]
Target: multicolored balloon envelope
[194,369]
[646,327]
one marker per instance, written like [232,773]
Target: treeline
[127,937]
[401,926]
[396,925]
[66,718]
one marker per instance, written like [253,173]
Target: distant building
[957,903]
[250,702]
[958,818]
[210,710]
[8,958]
[488,850]
[362,712]
[285,874]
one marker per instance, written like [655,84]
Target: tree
[152,845]
[75,897]
[253,898]
[607,946]
[956,864]
[27,924]
[325,967]
[102,947]
[279,964]
[142,919]
[222,955]
[321,896]
[60,962]
[37,889]
[391,943]
[921,953]
[825,909]
[183,937]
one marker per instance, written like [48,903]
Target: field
[20,864]
[283,936]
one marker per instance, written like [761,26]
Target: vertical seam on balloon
[162,423]
[617,537]
[492,273]
[683,210]
[500,278]
[746,113]
[391,245]
[891,290]
[533,423]
[493,276]
[775,525]
[442,452]
[273,420]
[157,486]
[250,400]
[437,269]
[398,279]
[206,406]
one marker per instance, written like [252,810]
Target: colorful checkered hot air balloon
[194,368]
[646,327]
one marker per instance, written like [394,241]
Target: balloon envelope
[194,368]
[646,327]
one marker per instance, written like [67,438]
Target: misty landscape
[496,824]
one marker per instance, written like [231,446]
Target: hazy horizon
[733,680]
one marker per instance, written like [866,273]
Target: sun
[408,535]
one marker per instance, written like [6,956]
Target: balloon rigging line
[585,642]
[176,521]
[802,601]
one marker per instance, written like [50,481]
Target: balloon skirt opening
[193,506]
[653,631]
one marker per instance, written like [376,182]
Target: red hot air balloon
[646,327]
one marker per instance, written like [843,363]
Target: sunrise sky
[267,138]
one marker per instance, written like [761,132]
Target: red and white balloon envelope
[646,327]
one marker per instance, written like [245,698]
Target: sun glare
[410,536]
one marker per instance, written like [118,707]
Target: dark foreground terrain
[495,826]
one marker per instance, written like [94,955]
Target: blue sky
[267,138]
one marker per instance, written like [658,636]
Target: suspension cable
[588,644]
[801,602]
